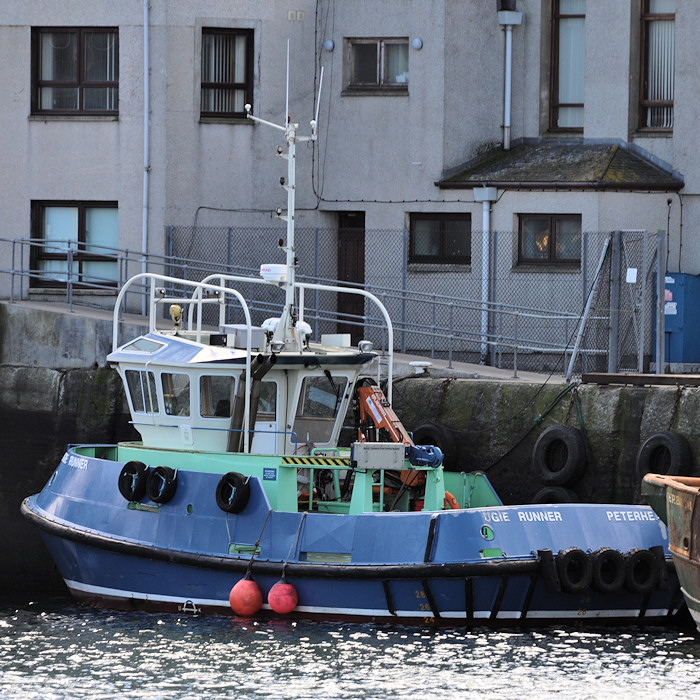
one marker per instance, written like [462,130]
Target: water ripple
[62,650]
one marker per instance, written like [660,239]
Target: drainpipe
[485,195]
[508,18]
[146,145]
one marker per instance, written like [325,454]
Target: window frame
[81,254]
[442,258]
[246,85]
[81,83]
[382,86]
[552,258]
[554,104]
[143,396]
[645,105]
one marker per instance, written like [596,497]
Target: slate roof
[545,164]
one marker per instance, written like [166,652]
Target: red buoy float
[245,597]
[283,597]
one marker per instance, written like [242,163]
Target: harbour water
[57,649]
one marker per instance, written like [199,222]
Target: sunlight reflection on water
[61,650]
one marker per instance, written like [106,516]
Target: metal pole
[660,302]
[614,322]
[586,311]
[486,225]
[643,305]
[404,290]
[146,144]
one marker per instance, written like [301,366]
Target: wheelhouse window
[75,70]
[657,71]
[176,394]
[567,69]
[442,239]
[267,403]
[377,64]
[318,406]
[142,390]
[549,239]
[216,394]
[74,242]
[227,72]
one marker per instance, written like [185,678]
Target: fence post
[170,247]
[584,269]
[660,302]
[404,290]
[69,281]
[229,250]
[614,326]
[317,255]
[452,335]
[643,305]
[515,347]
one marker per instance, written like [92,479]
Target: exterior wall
[377,154]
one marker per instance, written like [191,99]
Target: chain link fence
[534,317]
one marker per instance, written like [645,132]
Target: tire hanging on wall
[438,435]
[233,492]
[559,457]
[555,494]
[641,571]
[161,484]
[664,453]
[574,570]
[608,570]
[132,480]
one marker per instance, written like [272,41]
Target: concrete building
[442,124]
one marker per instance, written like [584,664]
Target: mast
[286,331]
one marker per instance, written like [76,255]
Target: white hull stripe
[321,610]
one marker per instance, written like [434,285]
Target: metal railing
[446,326]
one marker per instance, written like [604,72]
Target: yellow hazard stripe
[317,461]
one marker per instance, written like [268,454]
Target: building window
[74,242]
[442,239]
[377,64]
[658,39]
[75,71]
[545,238]
[227,72]
[568,58]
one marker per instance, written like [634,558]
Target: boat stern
[654,492]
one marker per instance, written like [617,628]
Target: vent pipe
[508,18]
[485,195]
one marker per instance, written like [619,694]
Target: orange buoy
[283,597]
[450,501]
[245,597]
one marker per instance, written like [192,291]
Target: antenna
[286,331]
[286,99]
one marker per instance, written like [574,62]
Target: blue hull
[463,567]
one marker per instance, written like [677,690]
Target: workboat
[244,497]
[676,500]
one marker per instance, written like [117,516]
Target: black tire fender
[555,494]
[132,480]
[574,570]
[608,570]
[664,453]
[641,571]
[559,457]
[233,492]
[161,484]
[439,436]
